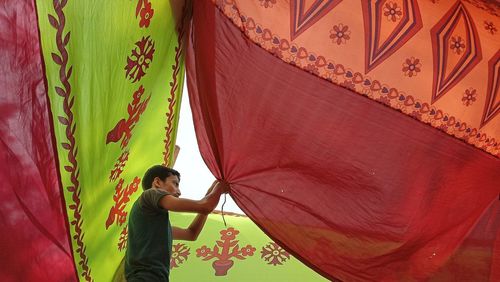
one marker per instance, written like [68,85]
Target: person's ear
[156,182]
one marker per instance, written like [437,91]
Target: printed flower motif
[274,254]
[121,197]
[122,241]
[137,95]
[443,127]
[228,234]
[348,84]
[489,26]
[416,114]
[146,14]
[140,59]
[411,67]
[277,52]
[384,100]
[340,34]
[119,166]
[247,251]
[225,251]
[469,97]
[134,185]
[180,253]
[267,3]
[457,44]
[392,11]
[203,251]
[312,69]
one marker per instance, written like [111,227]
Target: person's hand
[212,187]
[224,186]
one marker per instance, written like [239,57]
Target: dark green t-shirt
[149,239]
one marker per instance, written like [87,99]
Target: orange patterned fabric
[354,189]
[437,61]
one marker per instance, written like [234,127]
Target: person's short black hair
[157,171]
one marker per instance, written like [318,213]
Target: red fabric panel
[356,190]
[205,66]
[34,242]
[478,257]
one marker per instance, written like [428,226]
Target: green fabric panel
[87,46]
[253,267]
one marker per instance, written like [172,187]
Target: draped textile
[114,75]
[91,100]
[355,189]
[437,61]
[34,242]
[239,252]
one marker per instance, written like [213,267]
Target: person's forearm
[212,199]
[203,206]
[197,225]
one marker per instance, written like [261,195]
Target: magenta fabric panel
[356,190]
[34,237]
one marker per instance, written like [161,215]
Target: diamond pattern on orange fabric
[492,107]
[302,18]
[456,49]
[383,37]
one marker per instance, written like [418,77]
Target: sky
[195,176]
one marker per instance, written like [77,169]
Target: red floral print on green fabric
[273,254]
[119,166]
[138,62]
[229,234]
[123,129]
[122,241]
[145,10]
[121,198]
[180,253]
[224,250]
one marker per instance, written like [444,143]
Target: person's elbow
[193,236]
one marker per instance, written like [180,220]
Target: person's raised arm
[203,206]
[191,233]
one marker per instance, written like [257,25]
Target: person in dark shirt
[150,234]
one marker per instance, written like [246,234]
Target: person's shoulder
[155,191]
[151,197]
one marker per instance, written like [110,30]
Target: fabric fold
[355,189]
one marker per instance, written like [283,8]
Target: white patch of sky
[196,178]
